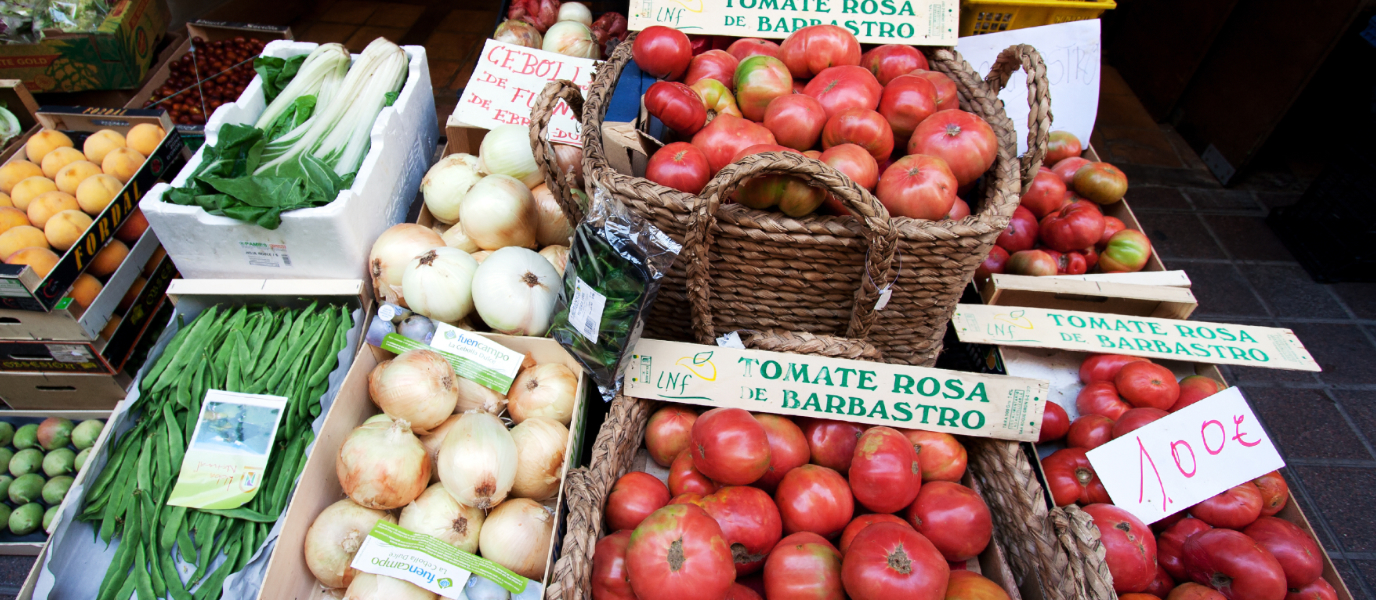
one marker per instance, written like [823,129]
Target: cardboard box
[330,241]
[115,56]
[19,101]
[24,289]
[288,577]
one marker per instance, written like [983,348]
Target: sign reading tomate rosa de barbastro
[910,22]
[1192,341]
[992,406]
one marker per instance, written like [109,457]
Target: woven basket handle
[1038,99]
[1077,534]
[883,237]
[560,184]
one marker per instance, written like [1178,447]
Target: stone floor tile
[1361,407]
[442,72]
[1176,236]
[1141,146]
[1223,199]
[396,15]
[367,33]
[469,21]
[1278,199]
[1156,197]
[1122,111]
[1344,496]
[1219,288]
[1290,292]
[1306,424]
[1247,238]
[353,12]
[1360,297]
[447,45]
[326,33]
[1343,351]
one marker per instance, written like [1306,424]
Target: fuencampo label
[427,562]
[472,356]
[585,312]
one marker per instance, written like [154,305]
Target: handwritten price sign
[507,80]
[1186,458]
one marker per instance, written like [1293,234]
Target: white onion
[476,396]
[546,390]
[382,465]
[481,588]
[418,385]
[445,184]
[516,535]
[506,151]
[520,33]
[435,513]
[499,212]
[437,284]
[454,237]
[368,586]
[575,11]
[570,160]
[514,291]
[392,251]
[558,257]
[571,38]
[552,227]
[478,461]
[540,446]
[434,440]
[334,538]
[481,256]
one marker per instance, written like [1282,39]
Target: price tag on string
[1186,458]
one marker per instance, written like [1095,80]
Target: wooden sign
[909,22]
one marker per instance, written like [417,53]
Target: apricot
[153,261]
[58,158]
[122,163]
[44,142]
[85,289]
[108,259]
[97,192]
[31,188]
[110,327]
[132,229]
[145,138]
[48,204]
[21,237]
[101,143]
[71,176]
[131,295]
[41,260]
[11,217]
[17,171]
[65,228]
[5,200]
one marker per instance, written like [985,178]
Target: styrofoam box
[326,242]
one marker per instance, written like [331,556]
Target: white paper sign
[507,80]
[1186,458]
[1071,52]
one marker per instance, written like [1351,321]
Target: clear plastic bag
[616,262]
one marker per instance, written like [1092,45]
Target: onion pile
[516,535]
[380,587]
[477,462]
[382,465]
[436,284]
[417,386]
[546,390]
[437,514]
[540,444]
[514,291]
[392,251]
[334,538]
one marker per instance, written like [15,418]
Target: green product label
[229,449]
[472,356]
[428,562]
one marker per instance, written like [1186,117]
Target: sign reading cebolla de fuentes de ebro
[992,406]
[909,22]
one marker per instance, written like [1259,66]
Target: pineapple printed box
[115,56]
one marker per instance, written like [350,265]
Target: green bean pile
[261,350]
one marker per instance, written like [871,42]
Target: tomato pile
[1058,227]
[1229,546]
[880,117]
[758,505]
[191,94]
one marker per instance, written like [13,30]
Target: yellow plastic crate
[988,16]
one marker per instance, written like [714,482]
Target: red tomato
[795,120]
[1130,548]
[1146,384]
[888,561]
[1135,419]
[729,446]
[1163,584]
[759,80]
[747,47]
[1233,508]
[815,499]
[1046,195]
[790,194]
[1318,590]
[1193,591]
[940,455]
[1101,182]
[1235,565]
[1101,398]
[634,497]
[1126,252]
[1112,225]
[1072,479]
[712,64]
[1061,145]
[740,592]
[688,498]
[906,102]
[667,433]
[1035,263]
[726,136]
[884,473]
[953,517]
[946,94]
[1193,389]
[863,521]
[1021,233]
[959,210]
[917,186]
[1091,256]
[1089,431]
[995,263]
[803,566]
[1066,168]
[707,43]
[749,520]
[1072,227]
[662,52]
[1139,596]
[832,443]
[815,48]
[716,97]
[609,568]
[967,585]
[860,126]
[1298,554]
[681,166]
[1104,367]
[787,449]
[679,552]
[1070,263]
[677,105]
[1170,546]
[891,61]
[685,479]
[1274,492]
[842,87]
[1055,423]
[963,140]
[856,163]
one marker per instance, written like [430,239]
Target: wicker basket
[779,273]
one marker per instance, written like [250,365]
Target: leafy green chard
[9,125]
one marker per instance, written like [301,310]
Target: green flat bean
[169,531]
[175,588]
[243,514]
[143,584]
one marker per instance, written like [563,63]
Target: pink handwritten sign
[1185,458]
[508,79]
